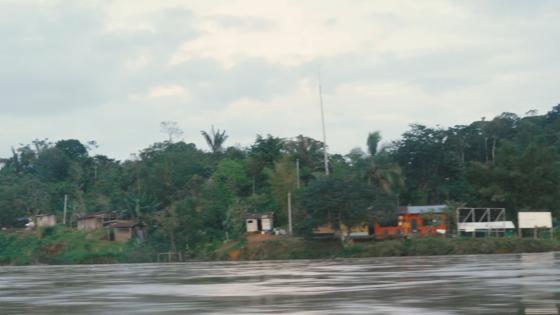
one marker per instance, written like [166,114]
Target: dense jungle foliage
[190,197]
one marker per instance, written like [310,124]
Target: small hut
[259,222]
[41,220]
[125,230]
[95,221]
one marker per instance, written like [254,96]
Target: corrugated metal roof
[101,214]
[425,209]
[123,224]
[265,215]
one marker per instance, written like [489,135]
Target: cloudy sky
[111,71]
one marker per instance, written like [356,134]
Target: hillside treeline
[190,196]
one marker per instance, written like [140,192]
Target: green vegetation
[298,248]
[64,246]
[193,201]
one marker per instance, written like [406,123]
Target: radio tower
[325,153]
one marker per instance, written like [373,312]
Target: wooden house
[41,220]
[95,221]
[125,230]
[259,222]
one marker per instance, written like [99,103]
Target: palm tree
[373,141]
[384,172]
[381,169]
[215,139]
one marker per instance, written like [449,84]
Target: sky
[112,71]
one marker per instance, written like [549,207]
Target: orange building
[415,221]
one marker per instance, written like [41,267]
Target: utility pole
[65,207]
[298,184]
[290,213]
[325,153]
[137,208]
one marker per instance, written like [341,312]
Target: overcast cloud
[111,71]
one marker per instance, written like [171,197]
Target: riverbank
[63,246]
[298,248]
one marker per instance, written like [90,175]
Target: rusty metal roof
[101,214]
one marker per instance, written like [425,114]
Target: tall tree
[309,152]
[172,129]
[373,140]
[380,169]
[73,148]
[215,139]
[427,164]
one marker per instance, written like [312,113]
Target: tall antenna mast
[325,153]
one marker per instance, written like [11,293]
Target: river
[492,284]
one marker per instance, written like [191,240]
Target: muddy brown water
[492,284]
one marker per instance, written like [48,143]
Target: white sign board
[531,220]
[495,225]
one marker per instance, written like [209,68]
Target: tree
[261,156]
[383,172]
[520,178]
[16,201]
[23,196]
[373,142]
[221,198]
[340,202]
[501,127]
[380,168]
[172,129]
[164,169]
[309,152]
[53,164]
[282,180]
[427,163]
[215,139]
[73,149]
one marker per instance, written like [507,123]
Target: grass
[298,248]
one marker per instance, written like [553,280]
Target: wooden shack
[125,230]
[259,222]
[42,220]
[95,221]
